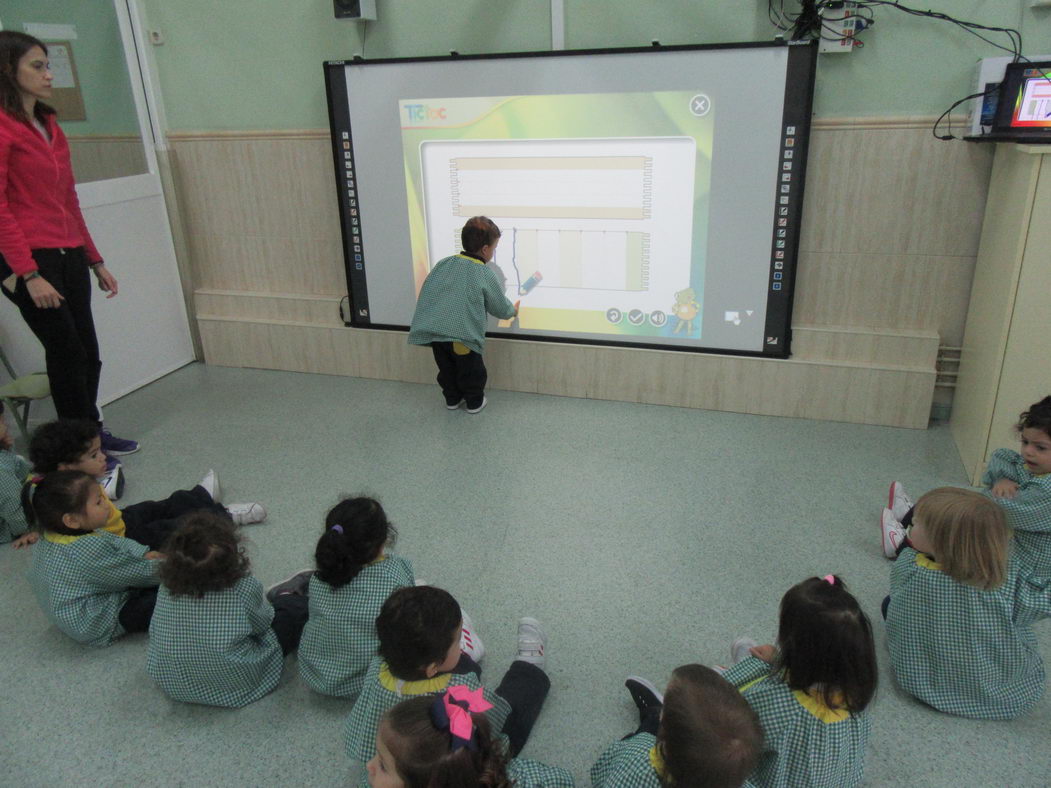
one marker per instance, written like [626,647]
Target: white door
[144,332]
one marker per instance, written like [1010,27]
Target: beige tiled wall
[97,158]
[891,224]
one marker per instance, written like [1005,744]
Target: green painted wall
[256,64]
[98,56]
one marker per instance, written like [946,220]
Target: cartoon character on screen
[686,309]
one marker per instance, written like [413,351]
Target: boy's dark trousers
[151,522]
[460,377]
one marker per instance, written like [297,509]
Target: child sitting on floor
[812,691]
[419,654]
[701,732]
[446,739]
[960,611]
[355,575]
[214,638]
[92,584]
[73,445]
[13,472]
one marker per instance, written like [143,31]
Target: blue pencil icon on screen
[530,283]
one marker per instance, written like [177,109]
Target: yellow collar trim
[472,259]
[657,762]
[422,687]
[811,701]
[51,536]
[927,562]
[383,557]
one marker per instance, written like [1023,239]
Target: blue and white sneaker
[111,444]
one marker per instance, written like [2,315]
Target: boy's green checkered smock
[13,472]
[626,764]
[218,650]
[382,691]
[81,582]
[1029,512]
[454,300]
[804,742]
[963,650]
[339,640]
[525,773]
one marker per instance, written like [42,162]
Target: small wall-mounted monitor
[1024,110]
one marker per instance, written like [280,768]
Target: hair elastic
[830,579]
[451,711]
[337,528]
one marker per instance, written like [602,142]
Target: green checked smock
[81,582]
[525,773]
[963,650]
[13,473]
[454,300]
[381,691]
[805,742]
[339,640]
[1029,512]
[218,650]
[627,764]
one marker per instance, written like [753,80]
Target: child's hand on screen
[517,304]
[1005,488]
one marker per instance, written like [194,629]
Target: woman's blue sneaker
[111,444]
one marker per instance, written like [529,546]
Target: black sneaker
[297,585]
[644,693]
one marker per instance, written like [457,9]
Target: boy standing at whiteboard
[451,313]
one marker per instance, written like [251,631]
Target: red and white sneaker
[532,642]
[470,643]
[893,533]
[898,501]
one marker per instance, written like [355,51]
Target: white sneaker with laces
[898,501]
[741,649]
[532,642]
[210,483]
[893,533]
[470,643]
[246,513]
[113,483]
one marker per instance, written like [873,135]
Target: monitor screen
[1024,109]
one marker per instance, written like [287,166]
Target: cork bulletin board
[66,97]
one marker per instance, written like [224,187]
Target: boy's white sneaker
[532,642]
[113,483]
[470,643]
[210,483]
[742,649]
[246,513]
[898,501]
[893,533]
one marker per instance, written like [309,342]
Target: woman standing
[45,249]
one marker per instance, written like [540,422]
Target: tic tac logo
[419,113]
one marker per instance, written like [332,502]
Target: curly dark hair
[60,441]
[1038,417]
[416,628]
[362,534]
[709,736]
[57,495]
[422,756]
[825,640]
[203,554]
[13,46]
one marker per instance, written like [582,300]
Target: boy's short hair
[204,553]
[61,441]
[58,494]
[479,231]
[1037,417]
[416,627]
[709,736]
[969,534]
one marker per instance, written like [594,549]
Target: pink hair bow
[453,710]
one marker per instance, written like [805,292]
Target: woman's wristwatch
[30,275]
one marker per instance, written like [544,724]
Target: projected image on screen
[582,216]
[647,197]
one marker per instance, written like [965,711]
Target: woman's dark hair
[13,46]
[203,554]
[709,736]
[356,531]
[416,627]
[58,494]
[479,231]
[1038,417]
[825,644]
[422,753]
[61,441]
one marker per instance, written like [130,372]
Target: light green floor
[643,537]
